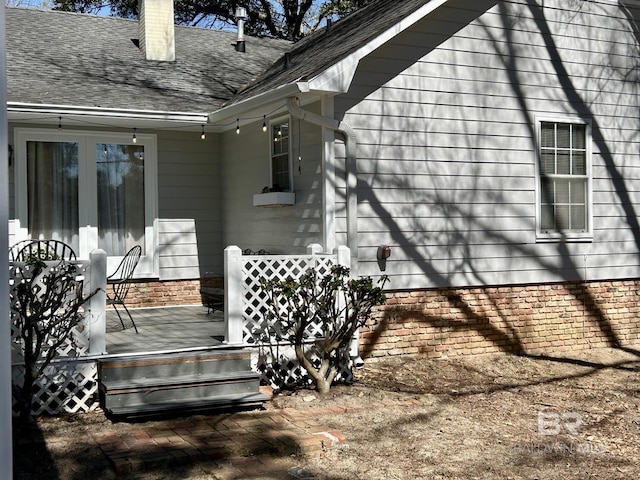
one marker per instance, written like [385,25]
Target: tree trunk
[26,396]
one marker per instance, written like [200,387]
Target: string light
[203,135]
[183,126]
[134,138]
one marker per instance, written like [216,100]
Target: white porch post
[314,249]
[233,295]
[6,457]
[97,304]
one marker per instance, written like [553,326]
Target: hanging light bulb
[59,122]
[134,138]
[238,126]
[203,135]
[264,123]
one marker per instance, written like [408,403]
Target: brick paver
[245,442]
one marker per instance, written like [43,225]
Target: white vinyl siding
[247,171]
[446,117]
[189,206]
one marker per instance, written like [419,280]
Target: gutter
[259,101]
[351,147]
[121,113]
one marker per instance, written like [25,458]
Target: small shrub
[338,304]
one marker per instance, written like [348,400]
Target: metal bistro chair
[120,281]
[28,250]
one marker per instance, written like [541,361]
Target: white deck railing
[70,382]
[246,306]
[245,303]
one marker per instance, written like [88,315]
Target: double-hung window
[564,181]
[280,157]
[89,190]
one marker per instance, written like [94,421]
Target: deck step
[178,381]
[237,401]
[169,365]
[173,382]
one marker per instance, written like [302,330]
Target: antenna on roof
[241,16]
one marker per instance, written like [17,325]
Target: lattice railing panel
[69,385]
[76,344]
[259,268]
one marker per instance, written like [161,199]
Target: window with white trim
[564,182]
[89,190]
[281,178]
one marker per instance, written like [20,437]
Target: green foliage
[341,8]
[336,303]
[48,301]
[290,19]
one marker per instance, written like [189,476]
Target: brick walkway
[246,443]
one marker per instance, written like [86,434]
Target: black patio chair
[120,280]
[29,250]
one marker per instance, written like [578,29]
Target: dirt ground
[574,415]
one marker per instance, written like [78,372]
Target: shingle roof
[61,58]
[324,48]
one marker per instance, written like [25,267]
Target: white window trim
[542,236]
[88,234]
[272,122]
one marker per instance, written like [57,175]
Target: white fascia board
[339,76]
[116,113]
[229,114]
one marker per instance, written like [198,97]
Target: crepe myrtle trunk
[47,306]
[332,306]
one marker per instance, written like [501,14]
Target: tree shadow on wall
[458,208]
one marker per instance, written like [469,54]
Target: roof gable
[341,46]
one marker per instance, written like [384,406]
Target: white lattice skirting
[69,386]
[279,368]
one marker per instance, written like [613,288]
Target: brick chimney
[156,30]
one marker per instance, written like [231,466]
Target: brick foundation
[532,319]
[176,292]
[447,322]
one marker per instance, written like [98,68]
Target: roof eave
[267,101]
[109,116]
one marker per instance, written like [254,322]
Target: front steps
[181,382]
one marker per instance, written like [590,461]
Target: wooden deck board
[164,329]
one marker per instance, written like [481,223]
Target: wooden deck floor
[164,329]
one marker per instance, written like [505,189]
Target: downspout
[351,147]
